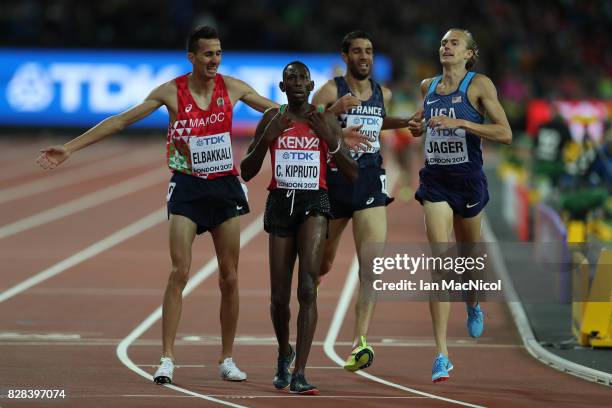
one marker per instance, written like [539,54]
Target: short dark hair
[296,63]
[353,35]
[200,32]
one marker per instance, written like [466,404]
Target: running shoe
[282,378]
[361,357]
[299,385]
[475,320]
[230,372]
[164,372]
[441,366]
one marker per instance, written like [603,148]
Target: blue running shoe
[475,320]
[442,365]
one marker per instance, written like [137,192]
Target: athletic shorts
[286,210]
[208,203]
[466,194]
[368,191]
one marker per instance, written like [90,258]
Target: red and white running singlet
[299,159]
[199,141]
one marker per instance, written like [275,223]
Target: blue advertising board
[44,87]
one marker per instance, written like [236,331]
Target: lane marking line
[91,171]
[334,328]
[250,232]
[109,193]
[110,241]
[340,312]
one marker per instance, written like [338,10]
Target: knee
[228,282]
[307,294]
[367,276]
[280,299]
[326,265]
[179,276]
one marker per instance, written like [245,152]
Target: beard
[357,74]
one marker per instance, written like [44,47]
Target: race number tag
[446,147]
[297,169]
[211,154]
[383,183]
[370,129]
[170,191]
[246,190]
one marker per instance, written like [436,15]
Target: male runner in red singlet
[300,139]
[204,193]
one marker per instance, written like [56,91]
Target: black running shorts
[286,210]
[208,203]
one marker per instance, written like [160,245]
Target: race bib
[297,169]
[446,147]
[211,154]
[370,129]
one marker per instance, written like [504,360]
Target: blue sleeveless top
[371,114]
[452,150]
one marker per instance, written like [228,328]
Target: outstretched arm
[240,90]
[393,122]
[52,156]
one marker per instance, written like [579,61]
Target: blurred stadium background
[72,63]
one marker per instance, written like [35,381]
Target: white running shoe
[230,372]
[164,372]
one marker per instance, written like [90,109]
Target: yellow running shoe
[361,357]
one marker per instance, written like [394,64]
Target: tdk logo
[366,120]
[210,140]
[446,132]
[99,88]
[298,156]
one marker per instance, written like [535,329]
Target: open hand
[354,139]
[52,156]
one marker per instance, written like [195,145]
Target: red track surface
[63,332]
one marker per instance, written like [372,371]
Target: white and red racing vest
[199,141]
[299,159]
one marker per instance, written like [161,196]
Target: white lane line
[110,241]
[334,328]
[208,269]
[24,341]
[340,312]
[519,315]
[292,396]
[91,171]
[26,166]
[91,200]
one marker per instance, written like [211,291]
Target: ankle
[225,357]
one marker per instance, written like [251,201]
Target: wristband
[337,148]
